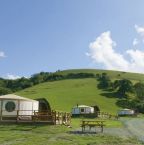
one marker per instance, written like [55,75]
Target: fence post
[17,115]
[58,117]
[55,114]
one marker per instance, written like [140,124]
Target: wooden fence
[107,115]
[51,117]
[103,115]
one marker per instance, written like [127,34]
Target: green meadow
[63,95]
[16,134]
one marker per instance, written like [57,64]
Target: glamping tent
[13,107]
[124,112]
[45,111]
[43,105]
[82,109]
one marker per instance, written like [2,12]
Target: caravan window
[82,110]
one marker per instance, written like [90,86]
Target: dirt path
[135,127]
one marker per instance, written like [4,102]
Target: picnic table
[92,124]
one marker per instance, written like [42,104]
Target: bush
[4,91]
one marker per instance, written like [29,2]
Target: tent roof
[82,106]
[15,97]
[125,109]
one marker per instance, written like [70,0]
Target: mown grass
[108,123]
[57,135]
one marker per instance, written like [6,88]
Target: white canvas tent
[13,106]
[126,112]
[82,109]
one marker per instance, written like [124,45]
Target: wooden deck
[49,117]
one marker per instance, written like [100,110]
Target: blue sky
[47,35]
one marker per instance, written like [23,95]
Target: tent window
[10,106]
[82,110]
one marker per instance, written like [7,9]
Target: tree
[4,91]
[140,107]
[139,90]
[36,79]
[116,84]
[104,81]
[123,86]
[24,83]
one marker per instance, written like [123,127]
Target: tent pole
[1,110]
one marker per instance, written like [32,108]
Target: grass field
[59,135]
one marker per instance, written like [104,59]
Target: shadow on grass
[110,95]
[93,130]
[121,102]
[80,132]
[19,127]
[108,90]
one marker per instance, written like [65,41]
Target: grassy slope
[65,94]
[112,74]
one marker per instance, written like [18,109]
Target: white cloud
[11,77]
[102,51]
[139,30]
[137,60]
[2,54]
[135,42]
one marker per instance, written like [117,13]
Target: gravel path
[136,127]
[133,127]
[120,132]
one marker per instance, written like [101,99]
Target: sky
[51,35]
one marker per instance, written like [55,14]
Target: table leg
[101,128]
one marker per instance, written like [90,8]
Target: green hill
[112,74]
[64,94]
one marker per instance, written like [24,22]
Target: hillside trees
[80,75]
[2,83]
[122,87]
[139,90]
[136,103]
[4,91]
[18,84]
[37,78]
[104,81]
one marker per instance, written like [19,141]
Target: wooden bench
[92,124]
